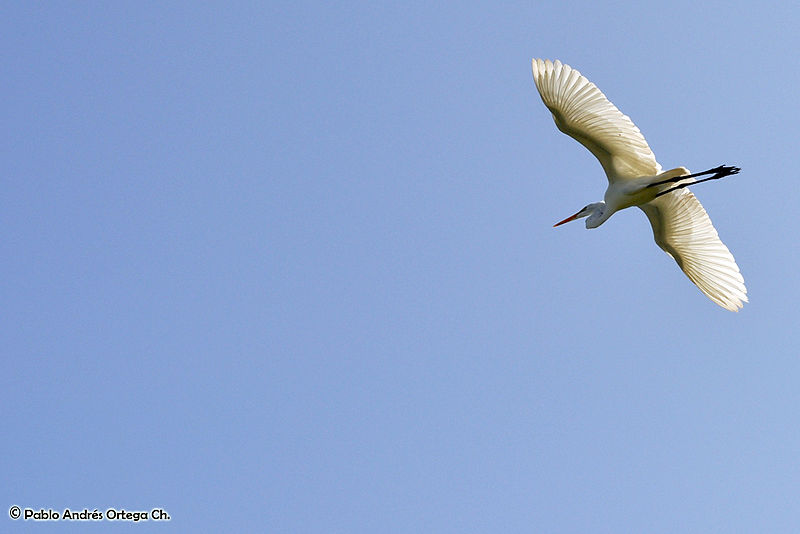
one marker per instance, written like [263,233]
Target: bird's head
[593,211]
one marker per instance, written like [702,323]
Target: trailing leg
[719,172]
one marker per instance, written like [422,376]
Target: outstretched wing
[682,228]
[582,111]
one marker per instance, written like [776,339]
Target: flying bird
[680,224]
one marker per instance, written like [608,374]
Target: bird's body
[680,224]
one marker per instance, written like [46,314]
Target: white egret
[680,224]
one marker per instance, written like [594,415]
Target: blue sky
[290,267]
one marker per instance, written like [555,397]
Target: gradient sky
[290,267]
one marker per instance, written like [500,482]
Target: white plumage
[680,224]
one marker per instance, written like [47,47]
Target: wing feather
[582,111]
[682,228]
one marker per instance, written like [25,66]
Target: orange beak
[568,219]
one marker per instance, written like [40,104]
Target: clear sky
[290,267]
